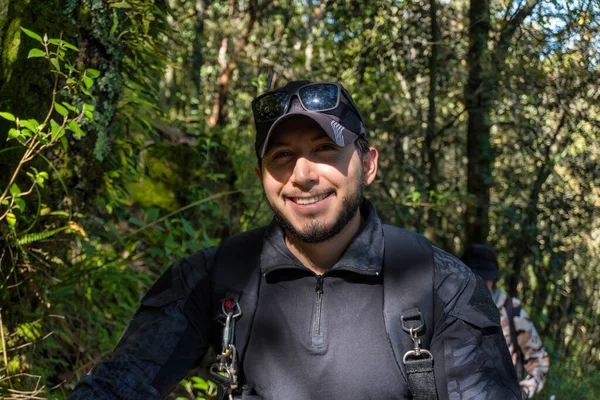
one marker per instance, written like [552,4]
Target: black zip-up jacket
[313,337]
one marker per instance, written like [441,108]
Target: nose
[304,174]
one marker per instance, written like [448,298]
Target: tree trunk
[430,160]
[484,70]
[219,111]
[198,48]
[478,104]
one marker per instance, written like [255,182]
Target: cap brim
[330,124]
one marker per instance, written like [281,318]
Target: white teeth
[310,200]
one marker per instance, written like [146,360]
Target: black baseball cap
[482,260]
[342,123]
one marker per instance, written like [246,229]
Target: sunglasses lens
[270,107]
[319,97]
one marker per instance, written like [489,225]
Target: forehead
[296,130]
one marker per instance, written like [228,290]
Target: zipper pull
[319,289]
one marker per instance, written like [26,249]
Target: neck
[320,257]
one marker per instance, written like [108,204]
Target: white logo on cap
[338,131]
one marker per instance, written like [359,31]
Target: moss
[10,49]
[153,193]
[3,18]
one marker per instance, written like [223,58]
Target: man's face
[313,186]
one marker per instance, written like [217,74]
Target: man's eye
[325,147]
[281,154]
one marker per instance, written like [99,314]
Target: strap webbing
[237,276]
[408,284]
[421,381]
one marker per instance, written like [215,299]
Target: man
[317,323]
[523,341]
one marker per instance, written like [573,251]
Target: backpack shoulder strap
[408,302]
[237,276]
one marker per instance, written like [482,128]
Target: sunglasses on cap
[315,97]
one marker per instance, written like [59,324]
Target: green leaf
[74,127]
[137,222]
[69,46]
[56,130]
[7,116]
[32,35]
[188,228]
[26,133]
[55,63]
[30,124]
[14,190]
[70,107]
[40,180]
[61,110]
[65,143]
[33,53]
[59,213]
[36,237]
[88,81]
[13,133]
[115,23]
[20,204]
[152,214]
[94,73]
[121,4]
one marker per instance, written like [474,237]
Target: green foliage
[198,388]
[36,137]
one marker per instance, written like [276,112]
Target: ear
[258,172]
[369,164]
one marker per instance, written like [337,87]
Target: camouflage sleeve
[535,359]
[161,343]
[471,359]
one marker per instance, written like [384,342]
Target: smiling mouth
[303,201]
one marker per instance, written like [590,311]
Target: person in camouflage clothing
[524,343]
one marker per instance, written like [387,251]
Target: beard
[316,231]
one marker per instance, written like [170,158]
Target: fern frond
[36,237]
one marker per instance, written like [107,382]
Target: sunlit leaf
[32,35]
[13,133]
[121,4]
[76,129]
[33,53]
[20,204]
[94,73]
[55,63]
[15,190]
[87,81]
[69,46]
[7,116]
[61,109]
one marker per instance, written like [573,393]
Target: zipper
[319,290]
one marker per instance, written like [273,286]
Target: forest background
[126,142]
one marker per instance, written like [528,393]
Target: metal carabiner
[231,314]
[416,340]
[423,354]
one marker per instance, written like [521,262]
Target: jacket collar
[364,254]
